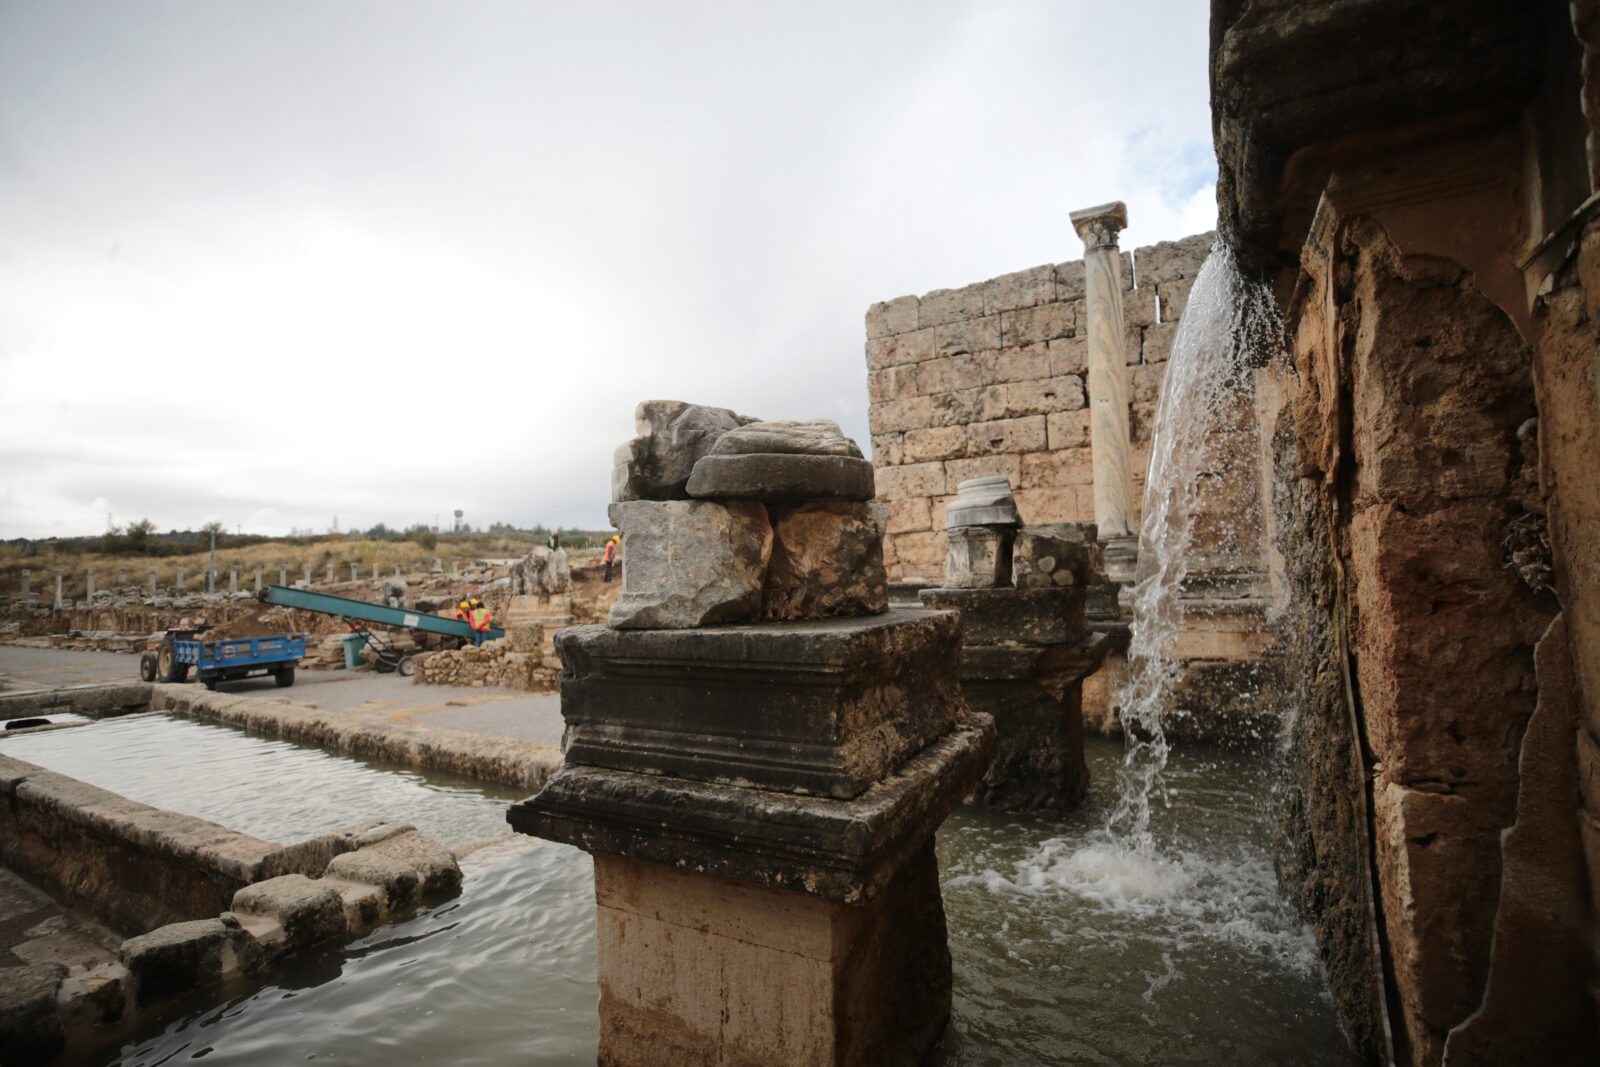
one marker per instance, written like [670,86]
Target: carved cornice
[1099,226]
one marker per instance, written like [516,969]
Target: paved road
[504,712]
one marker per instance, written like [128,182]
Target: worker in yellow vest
[610,555]
[479,621]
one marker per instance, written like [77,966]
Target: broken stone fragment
[827,561]
[983,502]
[308,911]
[672,436]
[1063,553]
[542,571]
[783,462]
[978,557]
[690,563]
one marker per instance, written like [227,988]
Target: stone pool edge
[489,757]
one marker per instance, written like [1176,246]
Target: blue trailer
[229,659]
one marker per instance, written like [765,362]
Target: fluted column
[1108,386]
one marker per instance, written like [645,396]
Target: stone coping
[525,764]
[840,850]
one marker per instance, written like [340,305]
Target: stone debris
[542,571]
[827,560]
[393,592]
[691,562]
[506,662]
[1063,553]
[672,436]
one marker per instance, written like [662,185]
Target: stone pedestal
[1108,384]
[1024,656]
[761,802]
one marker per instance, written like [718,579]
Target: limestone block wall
[991,378]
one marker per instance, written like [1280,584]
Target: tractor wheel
[168,669]
[405,668]
[147,667]
[284,678]
[210,681]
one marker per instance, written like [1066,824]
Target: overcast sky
[274,262]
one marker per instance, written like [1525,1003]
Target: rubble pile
[516,661]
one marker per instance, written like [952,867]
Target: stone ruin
[758,754]
[1020,591]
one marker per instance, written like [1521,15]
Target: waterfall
[1208,397]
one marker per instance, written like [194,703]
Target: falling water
[1206,401]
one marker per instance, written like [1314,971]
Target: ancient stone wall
[989,379]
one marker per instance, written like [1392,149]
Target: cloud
[269,263]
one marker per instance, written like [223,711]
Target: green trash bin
[353,644]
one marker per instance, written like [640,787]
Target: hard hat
[463,603]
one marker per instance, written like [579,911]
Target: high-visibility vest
[480,619]
[611,552]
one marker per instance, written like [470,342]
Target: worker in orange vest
[611,554]
[479,621]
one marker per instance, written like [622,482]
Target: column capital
[1099,226]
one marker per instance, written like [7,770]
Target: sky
[278,264]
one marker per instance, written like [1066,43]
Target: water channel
[1068,948]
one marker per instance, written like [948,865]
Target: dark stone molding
[840,850]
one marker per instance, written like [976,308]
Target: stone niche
[758,754]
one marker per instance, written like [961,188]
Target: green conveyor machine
[361,611]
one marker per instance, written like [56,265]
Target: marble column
[308,574]
[152,581]
[1108,386]
[122,576]
[27,576]
[233,580]
[283,574]
[330,574]
[258,577]
[180,579]
[88,593]
[355,572]
[59,600]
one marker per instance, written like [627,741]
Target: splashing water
[1206,403]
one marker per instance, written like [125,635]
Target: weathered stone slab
[183,956]
[1015,616]
[691,562]
[672,436]
[782,477]
[983,501]
[30,1029]
[824,707]
[840,850]
[811,437]
[978,557]
[309,911]
[1064,553]
[827,561]
[1038,762]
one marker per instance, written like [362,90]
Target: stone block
[1068,429]
[827,562]
[846,851]
[907,413]
[691,563]
[1132,345]
[397,884]
[755,975]
[1139,307]
[1007,466]
[670,437]
[908,515]
[1014,616]
[922,552]
[1038,764]
[434,864]
[30,1027]
[910,481]
[1174,298]
[1041,397]
[892,316]
[935,443]
[888,450]
[1168,261]
[1047,322]
[955,409]
[1069,355]
[1071,285]
[181,957]
[1046,470]
[1022,289]
[1158,341]
[978,557]
[310,912]
[947,374]
[1057,554]
[900,349]
[1022,363]
[777,477]
[1060,503]
[971,335]
[1144,383]
[810,437]
[951,305]
[824,707]
[1008,435]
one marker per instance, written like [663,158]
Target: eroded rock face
[827,561]
[690,562]
[672,436]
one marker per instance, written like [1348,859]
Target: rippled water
[275,790]
[1068,949]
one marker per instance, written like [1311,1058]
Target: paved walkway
[502,712]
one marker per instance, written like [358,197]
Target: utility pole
[211,571]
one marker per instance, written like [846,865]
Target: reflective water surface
[1067,949]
